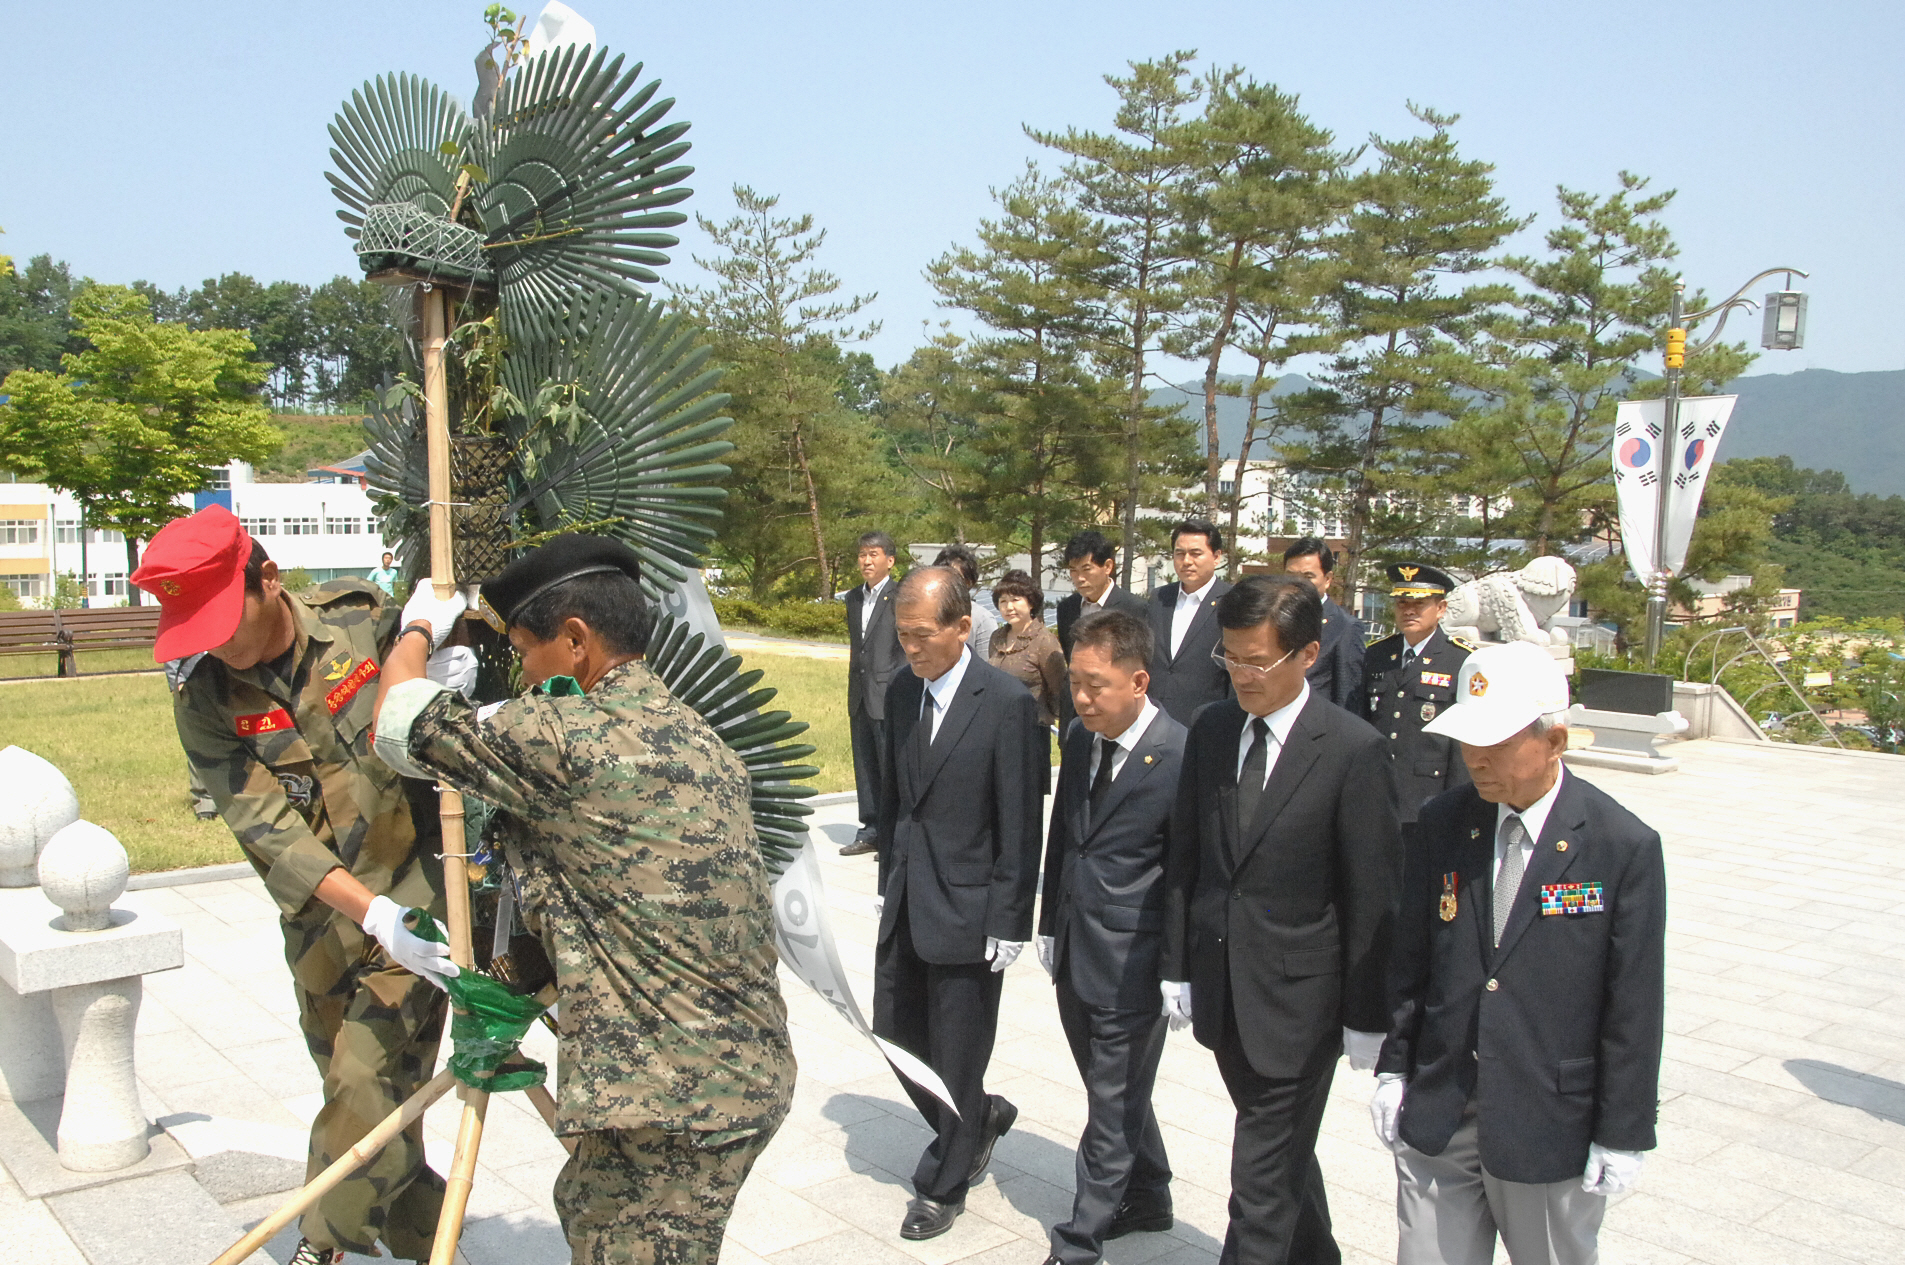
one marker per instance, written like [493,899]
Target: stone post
[36,802]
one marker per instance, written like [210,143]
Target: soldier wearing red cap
[276,720]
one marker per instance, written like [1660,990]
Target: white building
[326,529]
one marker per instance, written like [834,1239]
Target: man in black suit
[1337,673]
[1092,562]
[1409,677]
[873,656]
[1520,1080]
[1101,928]
[1281,888]
[1184,623]
[959,826]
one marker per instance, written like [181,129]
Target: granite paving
[1782,1134]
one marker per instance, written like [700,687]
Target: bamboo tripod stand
[469,1135]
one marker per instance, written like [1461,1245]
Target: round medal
[1428,711]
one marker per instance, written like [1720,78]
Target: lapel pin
[1561,846]
[1147,759]
[1474,832]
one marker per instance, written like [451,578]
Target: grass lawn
[21,665]
[113,738]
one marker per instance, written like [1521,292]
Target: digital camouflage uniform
[627,821]
[289,765]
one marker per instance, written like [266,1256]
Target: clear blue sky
[176,142]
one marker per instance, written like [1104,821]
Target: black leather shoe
[999,1117]
[928,1218]
[863,843]
[1146,1217]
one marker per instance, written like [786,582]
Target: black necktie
[1101,781]
[1250,780]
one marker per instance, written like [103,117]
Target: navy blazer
[1104,874]
[1337,673]
[1183,682]
[959,820]
[1555,1033]
[873,657]
[1288,922]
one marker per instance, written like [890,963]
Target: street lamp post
[1785,331]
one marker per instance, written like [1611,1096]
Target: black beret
[1418,579]
[546,566]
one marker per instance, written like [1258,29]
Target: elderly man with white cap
[1519,1083]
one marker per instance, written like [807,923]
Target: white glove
[1048,954]
[1610,1172]
[384,921]
[441,613]
[879,907]
[1363,1049]
[1003,953]
[454,668]
[1177,1003]
[1385,1109]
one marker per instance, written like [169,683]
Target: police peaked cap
[1418,579]
[542,568]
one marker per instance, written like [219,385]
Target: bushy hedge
[822,620]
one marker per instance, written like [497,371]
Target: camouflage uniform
[289,765]
[627,820]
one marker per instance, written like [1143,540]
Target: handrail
[1716,669]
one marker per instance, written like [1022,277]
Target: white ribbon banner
[805,936]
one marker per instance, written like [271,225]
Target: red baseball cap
[195,566]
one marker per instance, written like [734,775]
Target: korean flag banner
[1637,438]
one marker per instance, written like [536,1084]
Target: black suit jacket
[1337,673]
[872,657]
[959,822]
[1104,875]
[1556,1033]
[1118,599]
[1183,682]
[1400,704]
[1287,924]
[1069,606]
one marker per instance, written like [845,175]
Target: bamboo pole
[367,1147]
[456,883]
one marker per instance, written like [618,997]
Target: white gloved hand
[1048,954]
[441,613]
[1177,1003]
[1363,1049]
[454,668]
[384,921]
[1385,1109]
[1610,1172]
[1003,953]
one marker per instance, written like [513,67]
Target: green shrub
[809,619]
[739,612]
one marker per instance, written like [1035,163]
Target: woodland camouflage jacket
[627,820]
[289,763]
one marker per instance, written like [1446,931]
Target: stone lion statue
[1515,605]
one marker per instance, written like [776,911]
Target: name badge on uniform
[1442,679]
[1571,898]
[263,723]
[1446,907]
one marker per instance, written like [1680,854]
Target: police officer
[627,822]
[275,719]
[1410,679]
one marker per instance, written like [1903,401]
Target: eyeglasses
[1248,671]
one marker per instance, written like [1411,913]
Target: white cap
[1500,691]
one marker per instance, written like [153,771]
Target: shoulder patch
[1464,643]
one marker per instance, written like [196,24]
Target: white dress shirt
[1187,604]
[1122,744]
[1410,649]
[866,607]
[1533,818]
[938,695]
[1280,722]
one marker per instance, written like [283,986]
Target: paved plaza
[1782,1120]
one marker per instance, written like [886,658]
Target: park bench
[67,632]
